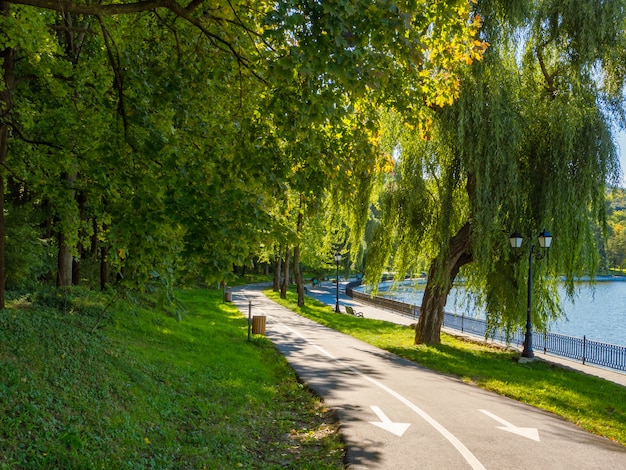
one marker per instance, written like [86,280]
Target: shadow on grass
[149,391]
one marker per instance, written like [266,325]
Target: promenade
[395,414]
[326,293]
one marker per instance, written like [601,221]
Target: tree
[338,66]
[161,131]
[80,83]
[527,145]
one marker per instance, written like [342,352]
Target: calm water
[598,312]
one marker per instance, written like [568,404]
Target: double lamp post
[516,239]
[337,261]
[545,240]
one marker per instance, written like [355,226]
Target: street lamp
[337,261]
[545,240]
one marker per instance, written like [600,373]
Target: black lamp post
[545,240]
[337,261]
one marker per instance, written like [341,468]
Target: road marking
[385,423]
[456,443]
[530,433]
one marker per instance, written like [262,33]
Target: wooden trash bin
[228,296]
[258,325]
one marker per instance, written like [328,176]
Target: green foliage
[590,402]
[175,139]
[526,146]
[384,50]
[148,391]
[27,257]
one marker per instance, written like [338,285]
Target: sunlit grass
[148,391]
[592,403]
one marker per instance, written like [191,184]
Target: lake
[598,312]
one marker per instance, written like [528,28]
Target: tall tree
[177,123]
[527,146]
[7,56]
[86,87]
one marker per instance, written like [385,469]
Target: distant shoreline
[602,278]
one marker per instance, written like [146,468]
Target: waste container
[258,325]
[228,296]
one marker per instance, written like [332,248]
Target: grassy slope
[147,391]
[592,403]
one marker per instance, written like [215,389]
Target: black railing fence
[579,349]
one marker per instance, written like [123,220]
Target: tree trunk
[64,263]
[93,246]
[441,275]
[298,275]
[8,73]
[81,200]
[296,257]
[285,283]
[278,270]
[76,269]
[4,136]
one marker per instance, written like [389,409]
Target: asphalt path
[395,414]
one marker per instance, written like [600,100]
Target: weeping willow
[528,145]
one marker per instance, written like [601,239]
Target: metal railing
[580,349]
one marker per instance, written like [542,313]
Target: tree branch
[69,6]
[76,29]
[117,73]
[194,4]
[25,139]
[95,9]
[550,87]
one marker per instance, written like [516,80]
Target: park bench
[351,311]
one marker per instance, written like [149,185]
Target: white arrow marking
[395,428]
[452,439]
[530,433]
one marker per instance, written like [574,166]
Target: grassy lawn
[148,391]
[590,402]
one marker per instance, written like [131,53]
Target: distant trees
[616,243]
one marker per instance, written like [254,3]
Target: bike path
[395,414]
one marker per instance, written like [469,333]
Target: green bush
[27,256]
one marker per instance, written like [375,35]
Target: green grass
[148,391]
[592,403]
